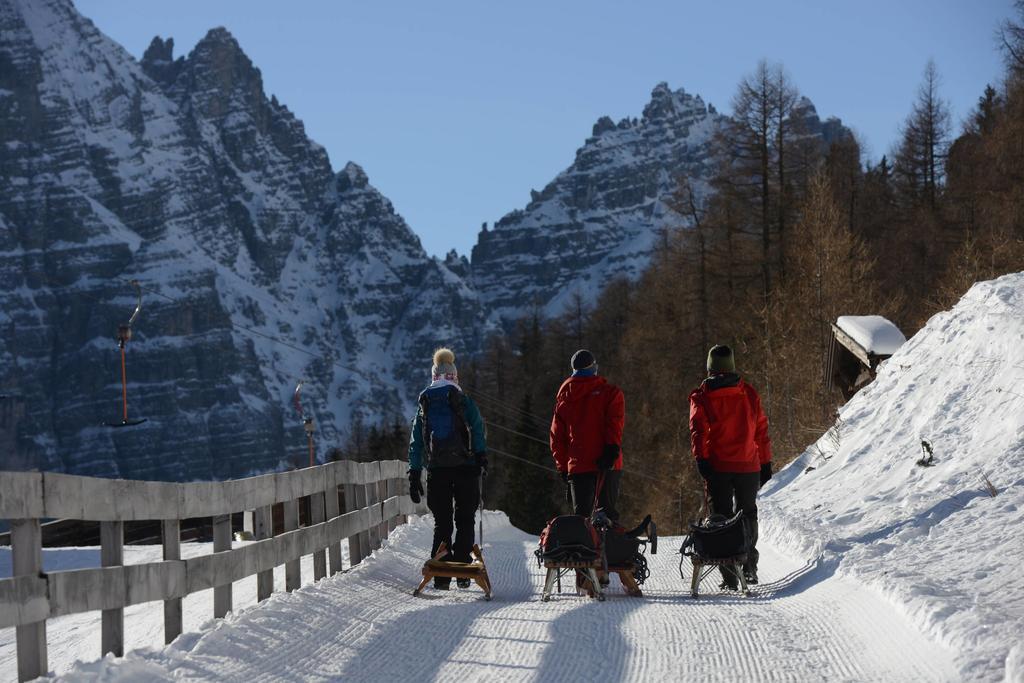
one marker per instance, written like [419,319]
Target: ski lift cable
[509,406]
[476,392]
[554,471]
[491,404]
[503,454]
[545,443]
[318,356]
[487,397]
[288,344]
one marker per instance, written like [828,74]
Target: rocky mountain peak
[457,264]
[158,61]
[159,51]
[603,125]
[222,78]
[667,104]
[805,115]
[351,177]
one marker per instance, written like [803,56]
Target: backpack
[718,538]
[445,433]
[569,538]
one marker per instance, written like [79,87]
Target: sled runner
[714,543]
[475,571]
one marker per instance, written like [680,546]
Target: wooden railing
[374,500]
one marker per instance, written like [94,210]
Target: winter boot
[442,583]
[462,583]
[750,574]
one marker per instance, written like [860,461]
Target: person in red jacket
[729,440]
[586,436]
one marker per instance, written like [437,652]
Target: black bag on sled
[569,538]
[719,537]
[619,547]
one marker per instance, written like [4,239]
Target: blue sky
[457,109]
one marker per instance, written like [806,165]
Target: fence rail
[373,506]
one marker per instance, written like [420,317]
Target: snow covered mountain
[934,540]
[603,216]
[600,218]
[183,174]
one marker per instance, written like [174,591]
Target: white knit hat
[444,366]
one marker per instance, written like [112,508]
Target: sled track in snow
[364,625]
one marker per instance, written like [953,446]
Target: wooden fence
[375,502]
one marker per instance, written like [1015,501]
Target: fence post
[316,516]
[112,555]
[172,551]
[364,498]
[392,491]
[293,569]
[382,495]
[27,560]
[221,542]
[331,510]
[355,546]
[263,520]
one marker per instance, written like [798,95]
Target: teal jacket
[475,423]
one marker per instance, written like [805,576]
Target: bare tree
[786,97]
[921,156]
[1011,40]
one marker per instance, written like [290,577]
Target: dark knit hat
[720,359]
[582,359]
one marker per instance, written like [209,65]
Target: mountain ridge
[182,173]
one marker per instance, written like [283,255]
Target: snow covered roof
[875,334]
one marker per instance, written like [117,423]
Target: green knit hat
[720,359]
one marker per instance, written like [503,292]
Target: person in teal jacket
[449,439]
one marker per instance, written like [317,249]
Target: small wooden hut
[859,343]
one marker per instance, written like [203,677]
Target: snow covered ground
[364,625]
[76,637]
[932,540]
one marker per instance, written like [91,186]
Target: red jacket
[728,426]
[589,414]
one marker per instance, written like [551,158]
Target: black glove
[608,457]
[766,473]
[415,485]
[568,487]
[481,461]
[705,468]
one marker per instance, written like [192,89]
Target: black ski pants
[453,495]
[583,486]
[729,492]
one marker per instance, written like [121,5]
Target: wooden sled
[703,567]
[592,571]
[476,570]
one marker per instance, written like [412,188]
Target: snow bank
[875,334]
[931,539]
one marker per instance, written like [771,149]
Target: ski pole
[480,531]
